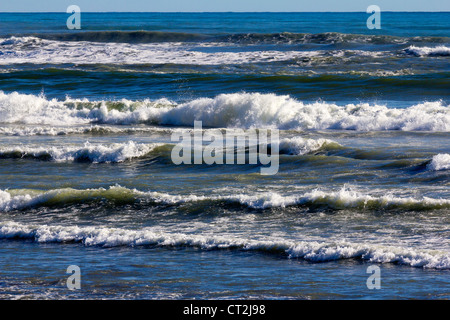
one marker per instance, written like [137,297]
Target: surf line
[243,147]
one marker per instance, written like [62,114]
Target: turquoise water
[87,179]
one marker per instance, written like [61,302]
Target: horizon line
[418,11]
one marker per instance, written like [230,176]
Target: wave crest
[239,110]
[439,51]
[310,251]
[343,199]
[440,162]
[118,152]
[301,146]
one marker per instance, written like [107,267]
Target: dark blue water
[402,24]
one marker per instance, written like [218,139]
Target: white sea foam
[308,250]
[96,153]
[240,110]
[17,50]
[428,51]
[9,202]
[32,109]
[41,131]
[283,112]
[22,108]
[17,41]
[341,199]
[40,51]
[30,130]
[440,162]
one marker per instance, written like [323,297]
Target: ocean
[87,176]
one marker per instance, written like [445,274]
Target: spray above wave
[343,199]
[307,250]
[118,152]
[240,110]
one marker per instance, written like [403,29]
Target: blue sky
[221,5]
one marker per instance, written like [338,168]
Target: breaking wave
[439,51]
[301,146]
[440,162]
[343,199]
[308,250]
[239,110]
[118,152]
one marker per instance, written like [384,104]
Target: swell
[240,38]
[308,250]
[326,38]
[350,84]
[23,199]
[125,36]
[291,71]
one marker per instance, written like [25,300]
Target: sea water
[87,179]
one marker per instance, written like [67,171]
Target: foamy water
[243,110]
